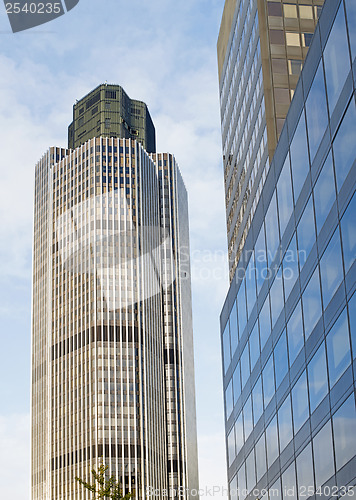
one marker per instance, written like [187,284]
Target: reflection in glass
[323,455]
[241,480]
[268,381]
[254,343]
[317,115]
[275,490]
[250,285]
[300,402]
[348,232]
[311,303]
[344,425]
[239,434]
[338,348]
[260,457]
[241,306]
[331,268]
[318,378]
[344,145]
[272,442]
[226,347]
[265,322]
[257,400]
[306,233]
[250,471]
[276,294]
[233,329]
[248,423]
[281,358]
[236,383]
[289,487]
[260,259]
[233,488]
[295,333]
[271,225]
[290,266]
[305,472]
[285,423]
[299,157]
[284,194]
[228,400]
[324,192]
[245,366]
[352,316]
[351,20]
[336,59]
[231,446]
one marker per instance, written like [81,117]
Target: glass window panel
[290,10]
[324,192]
[275,491]
[279,66]
[260,259]
[323,455]
[285,423]
[284,195]
[233,488]
[241,481]
[231,446]
[338,348]
[352,316]
[295,333]
[233,329]
[305,474]
[250,285]
[336,59]
[277,298]
[271,225]
[250,471]
[348,232]
[351,21]
[228,400]
[306,12]
[317,115]
[295,66]
[274,9]
[281,358]
[331,268]
[276,37]
[239,434]
[257,399]
[241,304]
[290,267]
[306,233]
[272,442]
[281,96]
[306,39]
[245,366]
[268,381]
[318,378]
[344,425]
[265,323]
[261,457]
[299,157]
[236,382]
[254,343]
[312,303]
[293,39]
[289,486]
[344,145]
[226,347]
[248,424]
[300,402]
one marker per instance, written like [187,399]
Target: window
[352,316]
[226,347]
[250,285]
[344,146]
[279,66]
[241,481]
[306,12]
[351,19]
[257,400]
[290,267]
[239,434]
[260,457]
[231,446]
[290,10]
[307,38]
[107,122]
[299,157]
[289,486]
[248,424]
[233,488]
[331,268]
[254,344]
[272,235]
[236,382]
[276,37]
[228,400]
[233,329]
[300,402]
[241,306]
[268,381]
[293,39]
[295,333]
[274,9]
[323,455]
[338,348]
[265,322]
[324,192]
[295,66]
[317,115]
[272,442]
[281,359]
[348,232]
[311,303]
[305,472]
[284,195]
[245,366]
[260,259]
[250,471]
[336,59]
[344,425]
[277,298]
[285,423]
[281,96]
[306,232]
[318,378]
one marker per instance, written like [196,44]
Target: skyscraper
[261,48]
[112,352]
[288,323]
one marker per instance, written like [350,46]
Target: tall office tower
[261,48]
[289,321]
[108,111]
[113,374]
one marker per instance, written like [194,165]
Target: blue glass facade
[289,321]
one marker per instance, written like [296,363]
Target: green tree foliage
[104,488]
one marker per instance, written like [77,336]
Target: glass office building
[289,321]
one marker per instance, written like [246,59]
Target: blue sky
[164,53]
